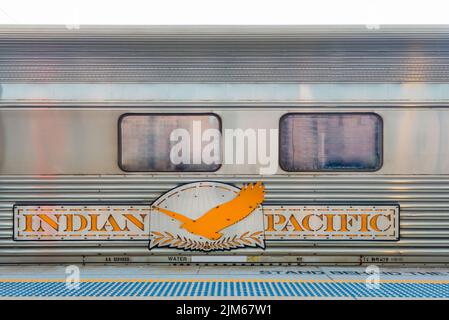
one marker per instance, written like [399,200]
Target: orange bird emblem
[224,215]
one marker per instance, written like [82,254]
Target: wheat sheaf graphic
[162,239]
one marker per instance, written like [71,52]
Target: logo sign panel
[320,222]
[78,222]
[207,216]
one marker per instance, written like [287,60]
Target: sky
[229,12]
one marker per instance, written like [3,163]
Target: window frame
[381,141]
[120,142]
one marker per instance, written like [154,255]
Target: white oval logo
[209,216]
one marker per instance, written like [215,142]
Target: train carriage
[354,165]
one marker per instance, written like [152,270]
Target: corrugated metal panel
[424,218]
[224,54]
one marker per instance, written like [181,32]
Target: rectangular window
[327,142]
[145,143]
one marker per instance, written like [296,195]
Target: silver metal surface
[423,199]
[79,163]
[62,93]
[55,141]
[224,54]
[206,95]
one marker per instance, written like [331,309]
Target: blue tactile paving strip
[219,288]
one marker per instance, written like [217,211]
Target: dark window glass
[319,142]
[145,143]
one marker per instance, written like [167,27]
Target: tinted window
[316,142]
[145,143]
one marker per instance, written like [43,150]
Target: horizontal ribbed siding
[424,217]
[338,54]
